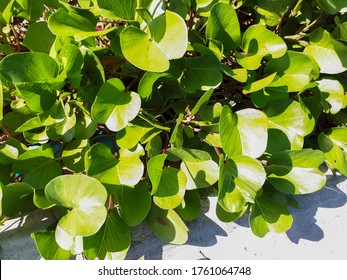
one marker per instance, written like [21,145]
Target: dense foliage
[116,112]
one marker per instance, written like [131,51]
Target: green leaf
[154,169]
[288,116]
[200,170]
[244,132]
[8,153]
[118,9]
[252,126]
[228,217]
[40,200]
[167,225]
[72,61]
[262,97]
[240,179]
[113,236]
[136,131]
[332,95]
[329,53]
[270,213]
[134,203]
[339,136]
[223,26]
[171,188]
[333,6]
[229,197]
[168,40]
[194,68]
[39,38]
[77,23]
[294,71]
[130,167]
[296,172]
[6,11]
[154,146]
[38,165]
[177,134]
[30,9]
[150,80]
[202,102]
[48,247]
[17,198]
[115,106]
[335,157]
[238,74]
[277,141]
[101,164]
[93,76]
[191,209]
[257,43]
[64,129]
[85,127]
[272,11]
[229,134]
[34,85]
[73,154]
[85,196]
[259,84]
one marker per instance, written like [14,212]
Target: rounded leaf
[115,106]
[76,191]
[168,40]
[258,42]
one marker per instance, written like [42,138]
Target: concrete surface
[319,231]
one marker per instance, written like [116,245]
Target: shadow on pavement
[305,224]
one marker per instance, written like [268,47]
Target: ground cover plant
[115,113]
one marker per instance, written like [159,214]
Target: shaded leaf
[223,26]
[134,203]
[329,53]
[167,225]
[48,247]
[113,236]
[258,42]
[270,213]
[168,40]
[115,106]
[288,116]
[171,188]
[296,172]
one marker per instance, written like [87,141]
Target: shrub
[116,112]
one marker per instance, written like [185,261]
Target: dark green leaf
[134,203]
[112,237]
[48,247]
[223,26]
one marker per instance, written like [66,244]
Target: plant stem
[5,129]
[16,37]
[217,151]
[4,220]
[296,8]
